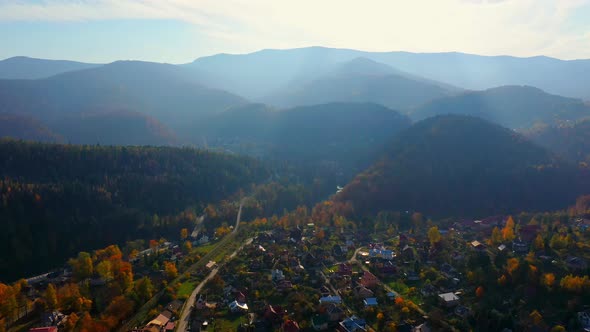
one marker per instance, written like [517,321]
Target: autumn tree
[575,284]
[548,280]
[496,236]
[8,303]
[82,266]
[539,243]
[144,289]
[183,233]
[536,318]
[512,265]
[187,246]
[104,270]
[479,292]
[508,230]
[170,270]
[222,231]
[71,322]
[51,297]
[434,235]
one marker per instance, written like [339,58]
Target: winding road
[184,319]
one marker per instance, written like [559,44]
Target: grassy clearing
[185,289]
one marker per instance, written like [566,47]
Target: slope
[514,107]
[361,80]
[86,197]
[21,67]
[162,91]
[456,165]
[345,135]
[569,140]
[26,128]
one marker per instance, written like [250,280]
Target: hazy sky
[179,31]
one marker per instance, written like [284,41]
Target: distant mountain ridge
[328,133]
[516,107]
[164,93]
[21,67]
[361,80]
[569,78]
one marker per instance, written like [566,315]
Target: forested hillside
[60,199]
[515,107]
[569,140]
[343,138]
[463,166]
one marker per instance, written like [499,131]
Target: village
[311,278]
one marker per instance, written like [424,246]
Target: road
[185,315]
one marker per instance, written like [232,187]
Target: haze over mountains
[320,105]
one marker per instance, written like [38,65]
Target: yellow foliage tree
[496,236]
[170,270]
[512,265]
[508,230]
[183,233]
[548,280]
[51,297]
[434,235]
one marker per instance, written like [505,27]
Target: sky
[178,31]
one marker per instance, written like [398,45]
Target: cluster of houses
[164,321]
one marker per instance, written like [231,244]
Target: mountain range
[321,106]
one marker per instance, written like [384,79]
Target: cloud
[518,27]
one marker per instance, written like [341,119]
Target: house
[584,320]
[319,322]
[363,292]
[290,326]
[462,311]
[344,269]
[421,328]
[369,280]
[392,295]
[428,290]
[53,318]
[520,247]
[388,268]
[202,304]
[204,239]
[448,299]
[370,302]
[412,276]
[352,324]
[331,299]
[576,263]
[236,306]
[335,312]
[274,314]
[158,322]
[408,253]
[277,275]
[502,247]
[169,327]
[284,286]
[44,329]
[477,245]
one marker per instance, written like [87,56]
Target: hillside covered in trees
[515,107]
[569,140]
[60,199]
[463,166]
